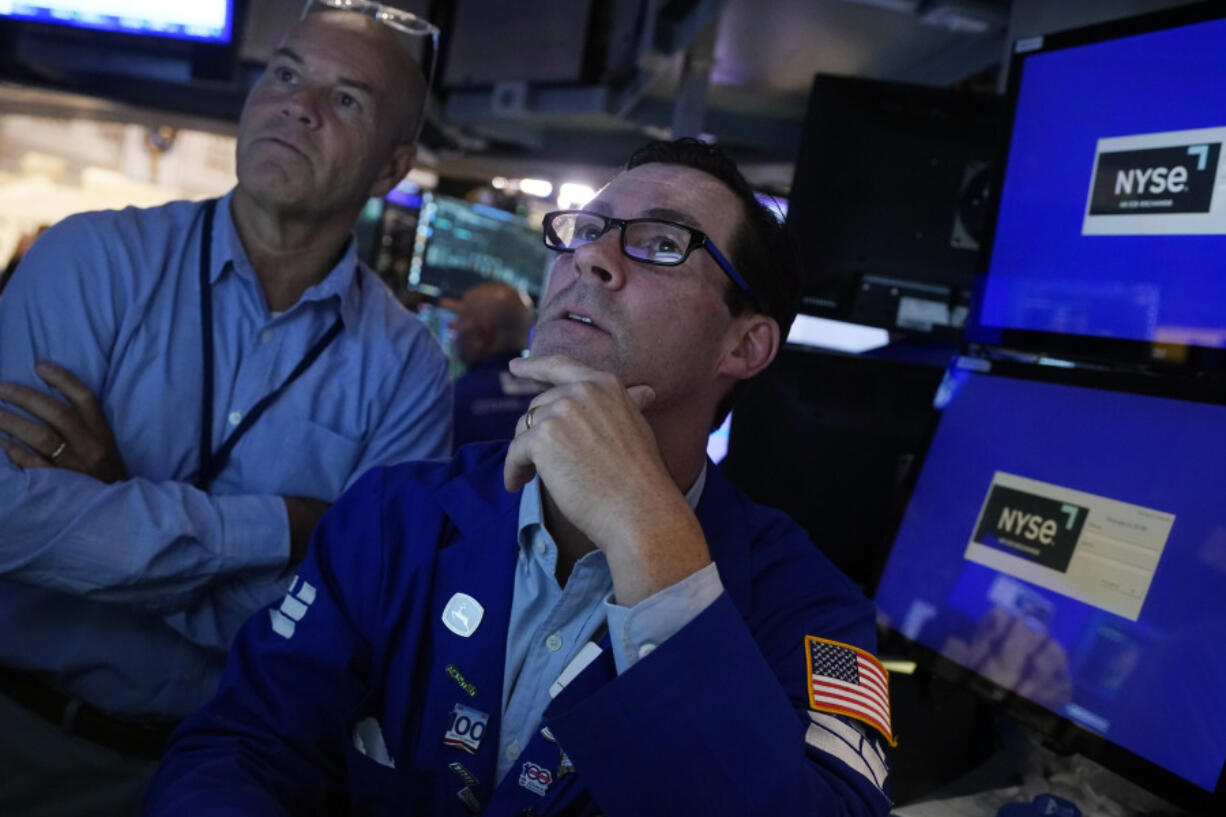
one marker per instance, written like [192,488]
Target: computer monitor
[202,20]
[1109,238]
[439,321]
[463,244]
[1064,550]
[888,201]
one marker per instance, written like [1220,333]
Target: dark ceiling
[534,85]
[567,88]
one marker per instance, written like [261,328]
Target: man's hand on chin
[598,459]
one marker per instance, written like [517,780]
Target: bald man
[491,329]
[183,391]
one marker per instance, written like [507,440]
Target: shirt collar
[531,514]
[341,282]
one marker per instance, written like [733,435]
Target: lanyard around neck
[213,461]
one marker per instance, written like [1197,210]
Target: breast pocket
[373,789]
[296,457]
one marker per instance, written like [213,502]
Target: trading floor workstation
[1063,549]
[1001,411]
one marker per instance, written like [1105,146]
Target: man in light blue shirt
[183,390]
[560,618]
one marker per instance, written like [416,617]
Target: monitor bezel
[225,40]
[1063,735]
[1149,357]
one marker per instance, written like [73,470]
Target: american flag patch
[846,680]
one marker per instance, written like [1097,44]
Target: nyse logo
[1031,526]
[1155,180]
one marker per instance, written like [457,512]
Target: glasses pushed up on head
[421,36]
[649,240]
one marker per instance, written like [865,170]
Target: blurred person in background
[183,391]
[491,328]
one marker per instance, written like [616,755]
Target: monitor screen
[1069,545]
[439,321]
[1112,214]
[463,244]
[204,20]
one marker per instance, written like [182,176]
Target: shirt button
[266,336]
[235,418]
[646,649]
[541,547]
[512,750]
[554,642]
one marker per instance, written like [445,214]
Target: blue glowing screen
[203,20]
[1112,218]
[1069,544]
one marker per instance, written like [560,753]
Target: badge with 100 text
[535,779]
[465,728]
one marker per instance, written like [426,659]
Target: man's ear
[397,167]
[755,346]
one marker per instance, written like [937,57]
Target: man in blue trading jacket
[591,620]
[224,370]
[491,328]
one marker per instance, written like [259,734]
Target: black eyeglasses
[650,240]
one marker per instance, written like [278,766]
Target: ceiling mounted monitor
[210,21]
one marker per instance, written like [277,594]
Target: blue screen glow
[1070,544]
[204,20]
[1112,218]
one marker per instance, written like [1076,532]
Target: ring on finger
[58,452]
[528,419]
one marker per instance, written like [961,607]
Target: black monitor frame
[1147,357]
[1066,737]
[81,58]
[1059,733]
[231,36]
[882,173]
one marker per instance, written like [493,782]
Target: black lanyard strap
[205,474]
[212,462]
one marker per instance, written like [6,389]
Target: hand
[73,435]
[1019,654]
[599,462]
[304,514]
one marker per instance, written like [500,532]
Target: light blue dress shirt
[549,624]
[128,594]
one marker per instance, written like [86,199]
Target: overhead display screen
[205,20]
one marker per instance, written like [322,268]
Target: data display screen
[1112,214]
[1069,544]
[204,20]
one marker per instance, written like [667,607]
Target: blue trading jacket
[489,401]
[715,721]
